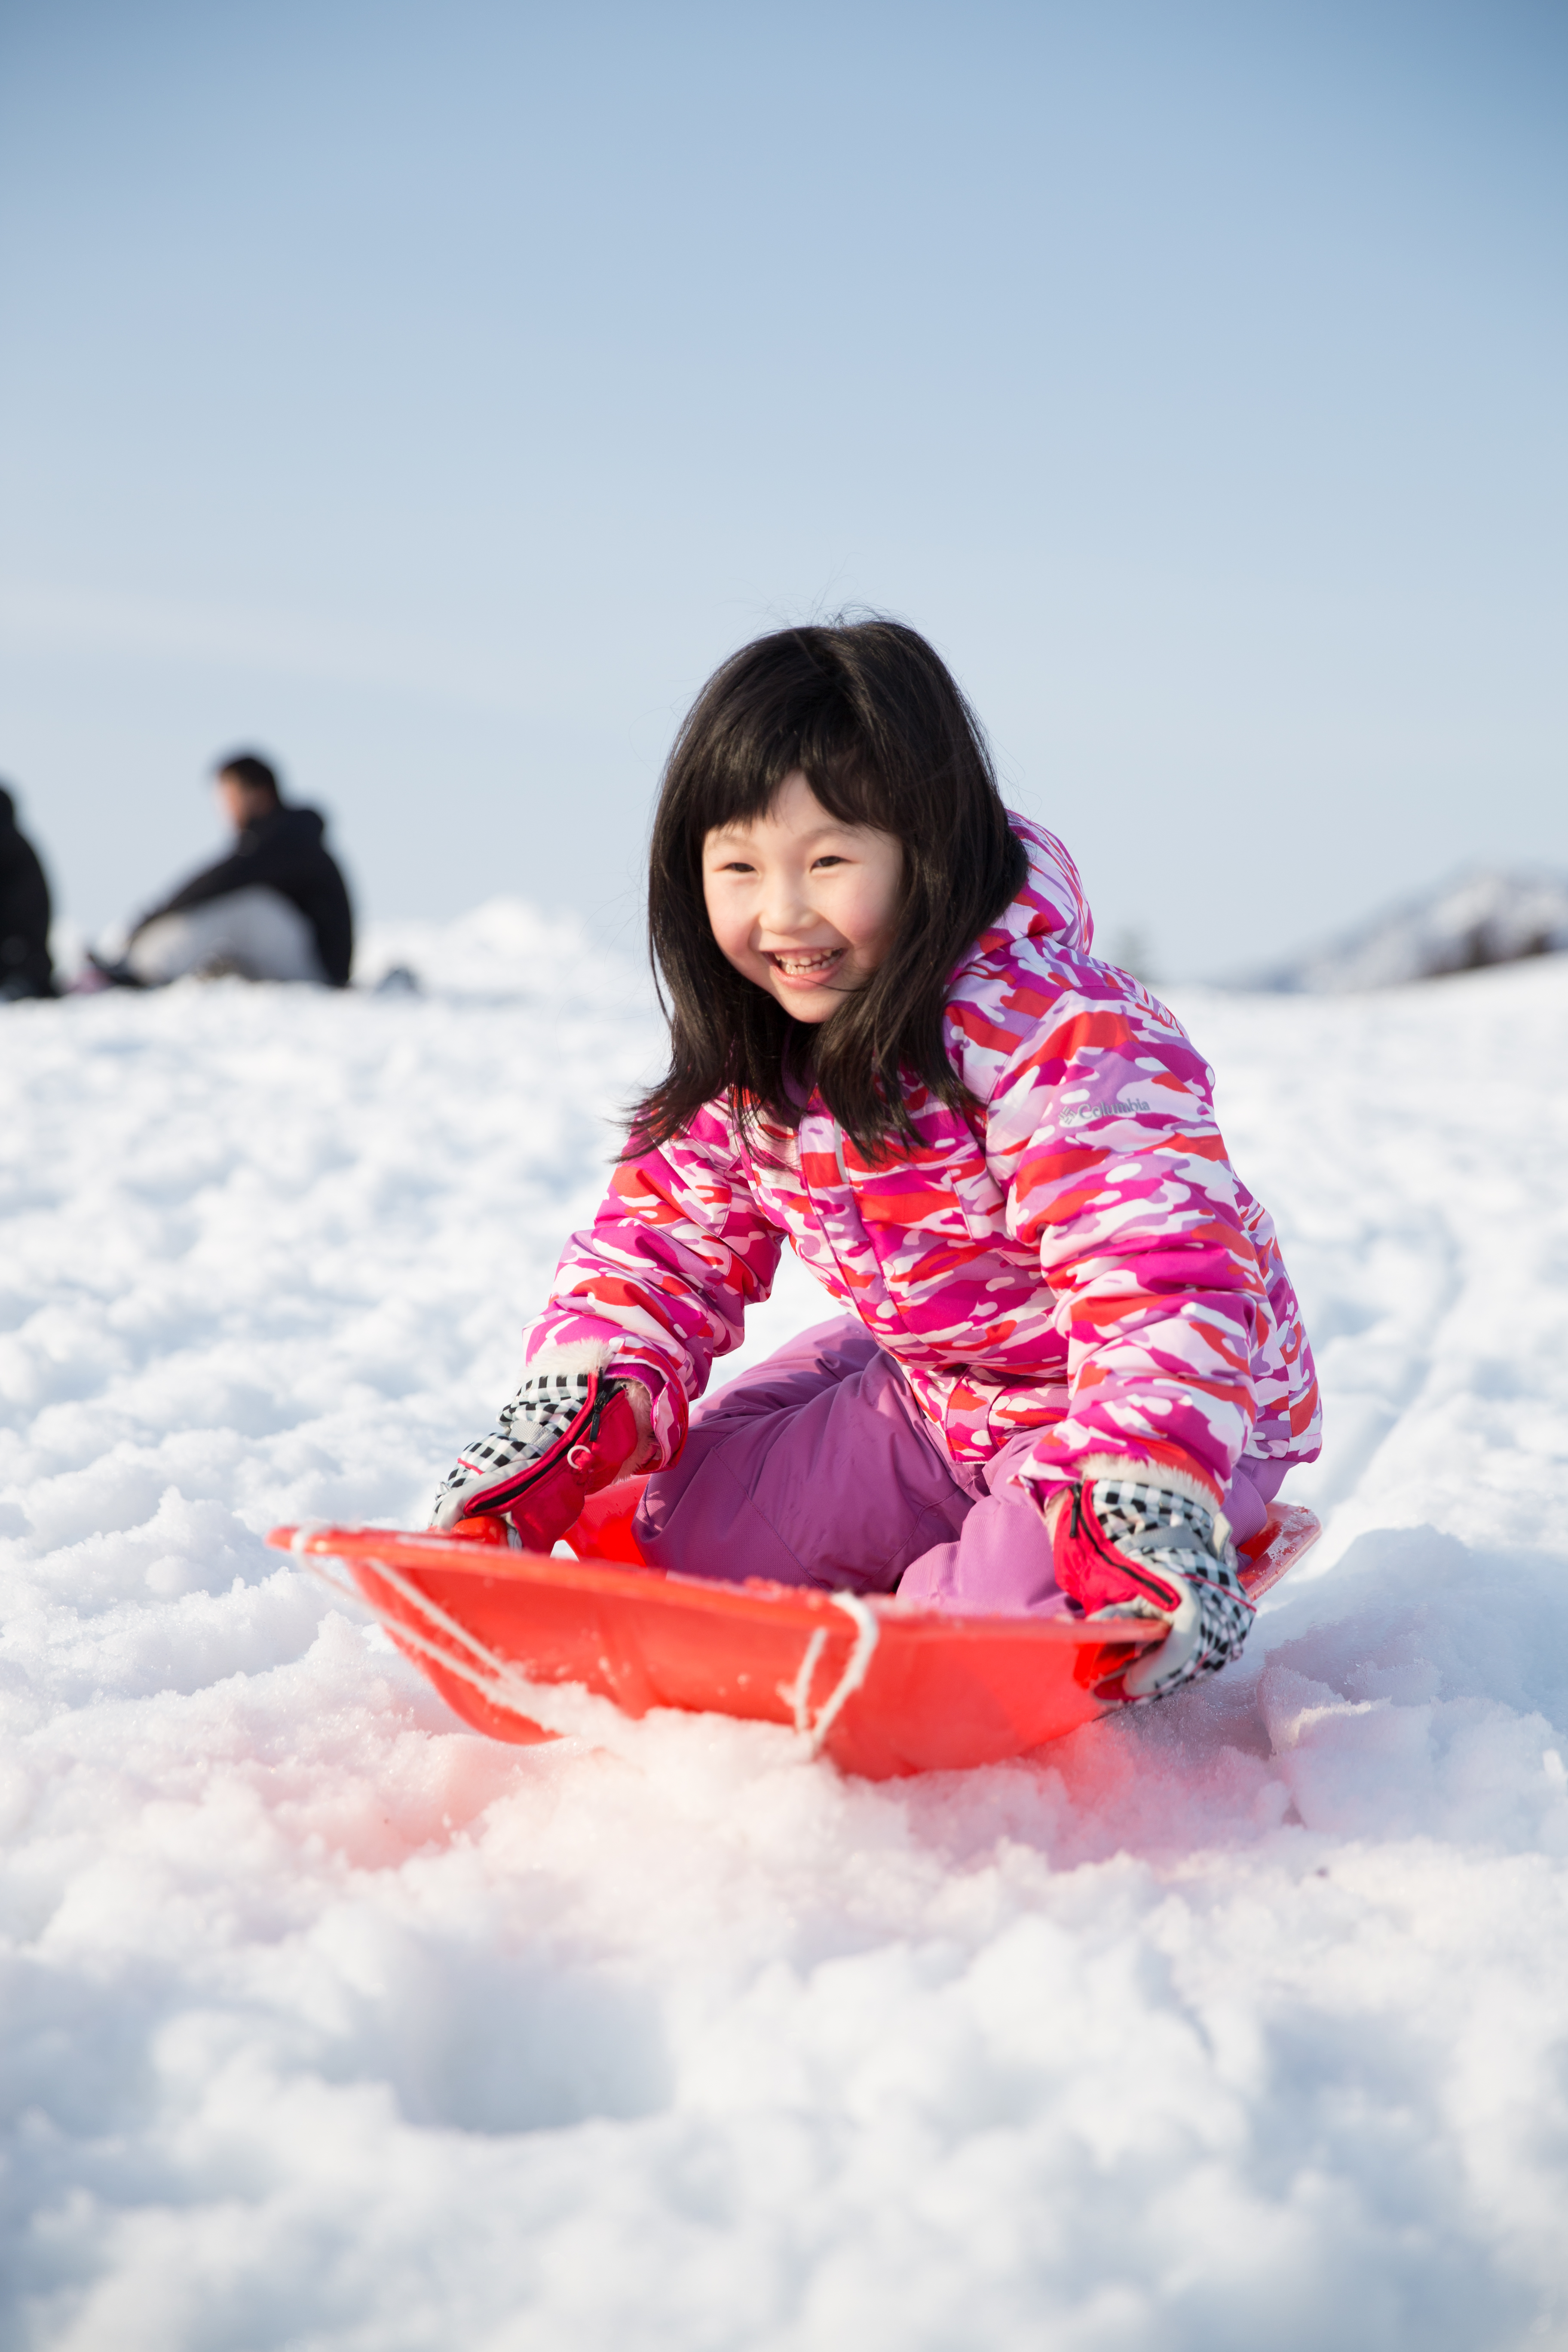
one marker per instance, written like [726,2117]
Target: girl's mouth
[809,968]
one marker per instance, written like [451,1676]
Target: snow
[1473,921]
[327,2023]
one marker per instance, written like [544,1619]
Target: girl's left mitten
[570,1430]
[1126,1547]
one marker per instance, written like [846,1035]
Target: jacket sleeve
[678,1252]
[1101,1130]
[230,874]
[271,862]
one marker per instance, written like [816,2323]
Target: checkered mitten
[1129,1547]
[568,1431]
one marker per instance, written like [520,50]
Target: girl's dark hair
[869,715]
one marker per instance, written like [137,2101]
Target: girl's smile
[802,903]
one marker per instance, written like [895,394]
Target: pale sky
[430,395]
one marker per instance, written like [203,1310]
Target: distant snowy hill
[503,947]
[1464,925]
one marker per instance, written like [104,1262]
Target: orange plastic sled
[880,1686]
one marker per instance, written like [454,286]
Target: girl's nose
[784,910]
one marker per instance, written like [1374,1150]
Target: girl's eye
[834,860]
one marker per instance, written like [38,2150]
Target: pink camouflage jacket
[1074,1254]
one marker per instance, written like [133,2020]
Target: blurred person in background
[25,966]
[276,909]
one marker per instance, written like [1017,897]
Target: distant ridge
[1473,921]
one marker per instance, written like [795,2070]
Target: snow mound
[505,948]
[1474,921]
[325,2022]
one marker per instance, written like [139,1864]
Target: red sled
[881,1686]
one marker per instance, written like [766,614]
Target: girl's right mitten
[569,1431]
[1127,1547]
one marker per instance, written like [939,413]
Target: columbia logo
[1125,1107]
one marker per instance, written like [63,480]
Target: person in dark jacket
[25,966]
[276,908]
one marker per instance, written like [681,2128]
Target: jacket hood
[1051,904]
[301,824]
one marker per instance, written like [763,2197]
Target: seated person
[276,908]
[1068,1370]
[25,966]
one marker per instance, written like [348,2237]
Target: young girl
[1069,1364]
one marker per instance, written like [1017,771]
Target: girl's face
[803,905]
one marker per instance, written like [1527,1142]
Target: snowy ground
[326,2023]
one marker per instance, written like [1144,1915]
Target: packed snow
[328,2023]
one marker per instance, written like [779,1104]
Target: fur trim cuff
[1152,1474]
[576,1356]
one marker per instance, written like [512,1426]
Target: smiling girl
[1068,1367]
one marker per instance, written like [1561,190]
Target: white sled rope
[501,1685]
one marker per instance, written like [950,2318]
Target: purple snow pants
[818,1467]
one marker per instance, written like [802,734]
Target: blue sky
[432,395]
